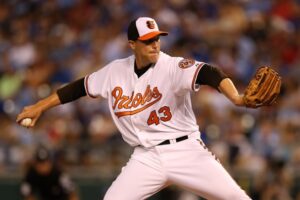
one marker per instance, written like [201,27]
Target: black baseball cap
[143,28]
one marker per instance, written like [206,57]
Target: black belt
[177,140]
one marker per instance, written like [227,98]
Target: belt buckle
[173,141]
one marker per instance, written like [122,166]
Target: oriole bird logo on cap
[150,24]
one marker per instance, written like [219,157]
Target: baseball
[26,122]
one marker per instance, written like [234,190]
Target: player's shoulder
[183,63]
[173,59]
[168,60]
[177,61]
[166,57]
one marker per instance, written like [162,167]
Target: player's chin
[153,57]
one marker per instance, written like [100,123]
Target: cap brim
[152,35]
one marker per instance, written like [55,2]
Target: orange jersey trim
[87,88]
[195,76]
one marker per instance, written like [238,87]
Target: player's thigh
[216,183]
[136,181]
[202,174]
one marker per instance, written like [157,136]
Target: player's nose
[155,44]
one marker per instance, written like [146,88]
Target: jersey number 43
[163,114]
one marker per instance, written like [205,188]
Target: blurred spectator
[44,180]
[265,138]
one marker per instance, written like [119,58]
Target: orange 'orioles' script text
[145,100]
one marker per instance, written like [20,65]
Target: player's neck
[140,71]
[142,62]
[141,65]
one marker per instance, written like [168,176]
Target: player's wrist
[47,103]
[239,100]
[242,101]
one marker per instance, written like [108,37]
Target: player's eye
[150,41]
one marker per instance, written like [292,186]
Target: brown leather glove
[263,88]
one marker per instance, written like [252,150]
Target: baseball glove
[263,88]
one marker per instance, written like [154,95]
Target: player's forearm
[227,87]
[49,102]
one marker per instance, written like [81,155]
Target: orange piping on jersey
[87,88]
[195,75]
[126,102]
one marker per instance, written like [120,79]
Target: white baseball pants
[187,164]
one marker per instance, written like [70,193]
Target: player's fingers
[28,113]
[34,120]
[30,126]
[20,117]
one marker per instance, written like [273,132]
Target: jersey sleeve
[184,73]
[97,83]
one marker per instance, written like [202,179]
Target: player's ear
[131,44]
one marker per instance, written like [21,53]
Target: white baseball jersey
[150,109]
[153,107]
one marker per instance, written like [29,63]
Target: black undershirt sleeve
[72,91]
[210,75]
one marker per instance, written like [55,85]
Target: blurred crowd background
[45,44]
